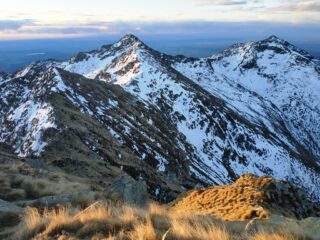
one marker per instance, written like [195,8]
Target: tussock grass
[108,222]
[35,187]
[20,182]
[250,197]
[227,202]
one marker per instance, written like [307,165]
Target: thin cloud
[14,24]
[220,2]
[90,28]
[64,30]
[192,29]
[300,6]
[287,6]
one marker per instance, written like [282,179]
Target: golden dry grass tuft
[250,197]
[102,221]
[227,202]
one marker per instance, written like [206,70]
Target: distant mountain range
[171,121]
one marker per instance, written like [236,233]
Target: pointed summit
[130,37]
[275,39]
[129,40]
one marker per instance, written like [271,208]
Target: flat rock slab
[8,207]
[50,201]
[9,213]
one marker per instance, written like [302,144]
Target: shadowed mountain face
[172,122]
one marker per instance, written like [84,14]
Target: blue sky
[21,19]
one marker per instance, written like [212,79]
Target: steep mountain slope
[282,74]
[225,142]
[249,104]
[22,113]
[4,76]
[94,129]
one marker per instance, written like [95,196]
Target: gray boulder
[128,190]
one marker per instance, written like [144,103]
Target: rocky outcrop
[128,190]
[250,197]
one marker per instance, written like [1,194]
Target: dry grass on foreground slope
[250,197]
[102,221]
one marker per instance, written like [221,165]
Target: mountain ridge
[211,137]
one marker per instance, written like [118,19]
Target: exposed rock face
[250,197]
[128,190]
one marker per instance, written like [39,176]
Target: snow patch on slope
[30,120]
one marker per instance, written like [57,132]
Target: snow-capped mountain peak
[129,40]
[283,74]
[95,64]
[253,107]
[275,39]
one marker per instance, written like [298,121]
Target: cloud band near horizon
[81,18]
[192,29]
